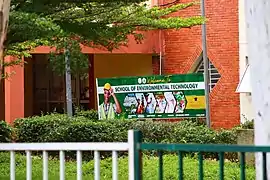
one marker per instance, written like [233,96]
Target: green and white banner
[155,97]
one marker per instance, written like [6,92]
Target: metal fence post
[135,155]
[131,162]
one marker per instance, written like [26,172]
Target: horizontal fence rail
[61,148]
[64,146]
[204,147]
[199,148]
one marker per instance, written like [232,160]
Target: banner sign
[155,97]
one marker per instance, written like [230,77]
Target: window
[214,75]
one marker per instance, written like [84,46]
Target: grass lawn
[150,169]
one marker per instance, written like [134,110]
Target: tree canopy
[65,24]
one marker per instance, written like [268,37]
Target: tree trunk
[4,16]
[68,85]
[258,35]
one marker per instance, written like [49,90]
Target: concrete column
[14,92]
[258,35]
[2,100]
[246,108]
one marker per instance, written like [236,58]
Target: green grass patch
[150,168]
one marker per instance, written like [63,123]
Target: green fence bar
[264,166]
[137,155]
[180,159]
[160,165]
[200,166]
[221,165]
[242,165]
[204,147]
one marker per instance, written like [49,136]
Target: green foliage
[66,25]
[78,61]
[39,128]
[81,128]
[247,125]
[150,168]
[5,132]
[27,31]
[89,114]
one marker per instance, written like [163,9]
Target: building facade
[162,52]
[182,54]
[35,88]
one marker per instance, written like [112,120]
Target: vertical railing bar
[180,159]
[28,165]
[137,155]
[12,165]
[97,165]
[200,166]
[62,165]
[45,165]
[79,165]
[131,155]
[115,165]
[221,165]
[264,166]
[242,166]
[160,165]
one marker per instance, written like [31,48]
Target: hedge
[90,114]
[5,132]
[60,128]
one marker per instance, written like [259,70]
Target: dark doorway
[49,88]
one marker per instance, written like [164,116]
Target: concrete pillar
[2,100]
[14,92]
[258,35]
[246,108]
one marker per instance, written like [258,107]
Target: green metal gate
[200,148]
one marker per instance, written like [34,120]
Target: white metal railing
[78,147]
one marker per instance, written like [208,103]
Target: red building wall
[155,65]
[183,47]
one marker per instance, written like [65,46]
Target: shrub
[90,114]
[60,128]
[39,128]
[247,125]
[5,132]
